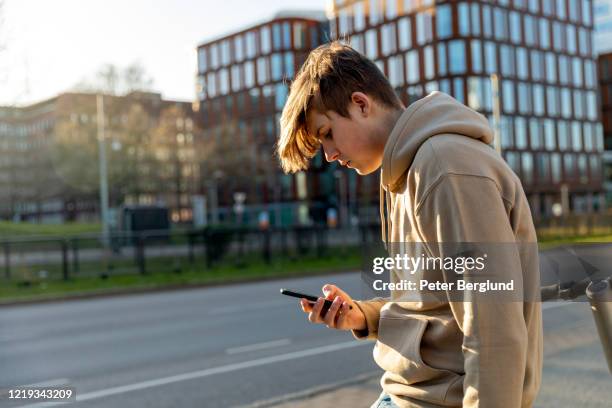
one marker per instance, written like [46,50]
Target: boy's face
[354,141]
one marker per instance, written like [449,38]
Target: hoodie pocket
[397,351]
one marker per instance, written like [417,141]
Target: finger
[330,316]
[315,313]
[306,305]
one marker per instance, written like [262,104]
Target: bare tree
[113,80]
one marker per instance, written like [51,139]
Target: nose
[331,153]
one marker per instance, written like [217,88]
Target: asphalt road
[215,347]
[227,346]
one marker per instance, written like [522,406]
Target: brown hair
[326,81]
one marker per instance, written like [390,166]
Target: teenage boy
[442,182]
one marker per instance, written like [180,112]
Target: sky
[51,45]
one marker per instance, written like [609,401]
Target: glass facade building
[243,80]
[543,56]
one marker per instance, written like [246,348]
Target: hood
[436,114]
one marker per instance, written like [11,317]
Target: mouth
[346,163]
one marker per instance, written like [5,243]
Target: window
[299,35]
[534,6]
[566,103]
[357,43]
[359,16]
[595,169]
[405,33]
[458,90]
[212,85]
[289,70]
[445,86]
[535,134]
[490,57]
[543,164]
[547,7]
[577,71]
[280,96]
[202,60]
[251,49]
[249,74]
[431,86]
[374,11]
[555,162]
[506,131]
[344,21]
[569,164]
[524,96]
[486,21]
[507,60]
[236,82]
[412,66]
[520,132]
[388,39]
[214,57]
[571,39]
[225,52]
[544,33]
[262,70]
[563,135]
[474,93]
[560,9]
[487,94]
[527,167]
[276,37]
[428,55]
[558,36]
[586,12]
[508,96]
[574,14]
[522,66]
[464,19]
[576,136]
[578,104]
[286,35]
[513,161]
[396,76]
[515,27]
[588,136]
[444,22]
[456,49]
[551,101]
[563,70]
[442,68]
[583,42]
[223,81]
[423,27]
[476,56]
[277,67]
[372,44]
[475,7]
[538,100]
[531,30]
[591,105]
[391,9]
[551,67]
[501,27]
[549,134]
[537,62]
[266,42]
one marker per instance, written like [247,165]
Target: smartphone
[310,298]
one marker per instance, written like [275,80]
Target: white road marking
[258,346]
[205,373]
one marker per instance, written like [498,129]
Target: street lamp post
[103,169]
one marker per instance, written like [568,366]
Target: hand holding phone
[335,309]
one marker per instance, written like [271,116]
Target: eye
[329,135]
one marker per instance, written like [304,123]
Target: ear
[363,102]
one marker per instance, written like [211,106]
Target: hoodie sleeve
[371,310]
[463,208]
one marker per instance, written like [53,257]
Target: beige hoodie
[444,183]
